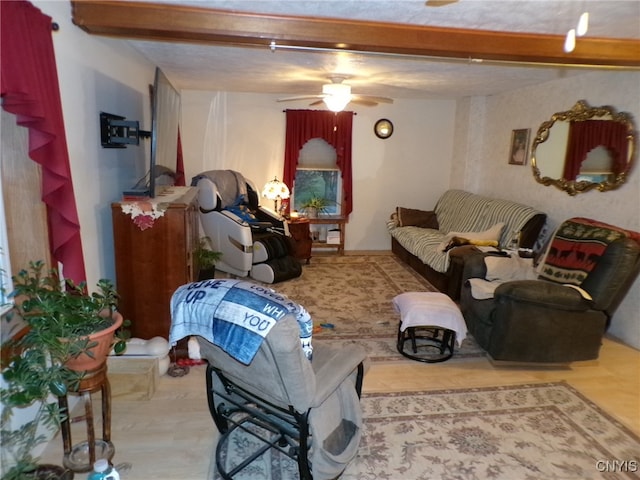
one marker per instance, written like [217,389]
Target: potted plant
[29,381]
[76,327]
[206,258]
[314,206]
[64,328]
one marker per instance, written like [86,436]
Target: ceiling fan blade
[438,3]
[317,102]
[299,97]
[365,102]
[373,98]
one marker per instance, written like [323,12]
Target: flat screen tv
[165,117]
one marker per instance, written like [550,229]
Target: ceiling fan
[337,95]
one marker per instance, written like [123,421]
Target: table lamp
[274,190]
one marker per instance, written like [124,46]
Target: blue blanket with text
[235,315]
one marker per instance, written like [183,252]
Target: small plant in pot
[206,258]
[73,325]
[314,206]
[31,381]
[62,323]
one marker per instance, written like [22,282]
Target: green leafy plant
[56,309]
[30,379]
[205,255]
[315,204]
[59,316]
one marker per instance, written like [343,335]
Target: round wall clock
[383,128]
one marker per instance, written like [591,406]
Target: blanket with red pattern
[576,248]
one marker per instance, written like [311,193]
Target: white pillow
[491,234]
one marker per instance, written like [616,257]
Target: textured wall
[486,169]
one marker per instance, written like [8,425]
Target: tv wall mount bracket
[118,132]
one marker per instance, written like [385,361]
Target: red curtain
[29,89]
[586,135]
[180,180]
[335,129]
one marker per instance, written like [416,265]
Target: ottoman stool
[431,322]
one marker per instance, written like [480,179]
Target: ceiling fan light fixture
[570,41]
[583,24]
[337,96]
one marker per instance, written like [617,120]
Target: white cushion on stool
[430,309]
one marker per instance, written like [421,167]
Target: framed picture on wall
[518,152]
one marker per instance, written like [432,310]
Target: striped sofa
[460,211]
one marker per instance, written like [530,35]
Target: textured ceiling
[286,72]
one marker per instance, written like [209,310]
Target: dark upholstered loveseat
[417,235]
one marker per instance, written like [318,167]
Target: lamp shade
[275,189]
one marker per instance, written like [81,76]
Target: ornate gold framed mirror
[584,148]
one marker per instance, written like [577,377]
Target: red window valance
[335,129]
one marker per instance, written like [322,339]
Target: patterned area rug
[351,296]
[523,432]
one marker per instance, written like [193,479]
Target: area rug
[521,432]
[350,300]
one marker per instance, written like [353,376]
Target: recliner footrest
[270,246]
[277,270]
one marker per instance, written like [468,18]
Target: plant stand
[81,457]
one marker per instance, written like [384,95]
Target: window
[322,183]
[5,264]
[318,175]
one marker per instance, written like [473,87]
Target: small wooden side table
[300,231]
[337,220]
[81,457]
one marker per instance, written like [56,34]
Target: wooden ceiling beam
[176,23]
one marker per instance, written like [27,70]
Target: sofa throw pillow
[407,217]
[489,237]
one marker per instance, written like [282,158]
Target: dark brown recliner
[544,320]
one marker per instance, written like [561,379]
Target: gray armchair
[308,410]
[545,320]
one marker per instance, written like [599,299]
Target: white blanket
[506,269]
[430,309]
[500,270]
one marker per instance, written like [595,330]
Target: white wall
[484,163]
[246,132]
[99,74]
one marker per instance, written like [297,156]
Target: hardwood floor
[172,436]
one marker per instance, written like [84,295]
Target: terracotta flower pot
[100,352]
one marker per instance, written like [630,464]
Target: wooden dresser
[152,262]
